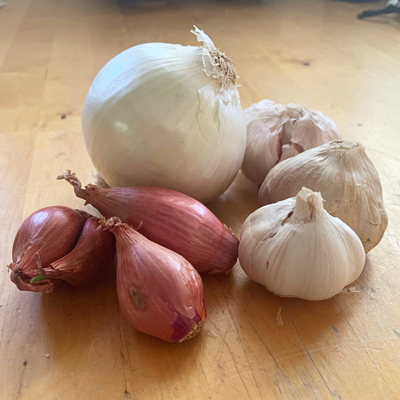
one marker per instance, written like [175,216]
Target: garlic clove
[288,151]
[262,152]
[264,109]
[294,112]
[264,121]
[261,226]
[287,132]
[347,180]
[314,129]
[296,249]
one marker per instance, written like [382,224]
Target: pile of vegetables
[158,263]
[164,127]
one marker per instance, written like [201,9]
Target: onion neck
[216,64]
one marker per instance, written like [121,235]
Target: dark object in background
[145,2]
[392,6]
[359,1]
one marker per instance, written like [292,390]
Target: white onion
[167,115]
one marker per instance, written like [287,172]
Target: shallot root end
[196,329]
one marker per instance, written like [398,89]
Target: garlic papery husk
[276,132]
[347,180]
[168,116]
[296,249]
[313,129]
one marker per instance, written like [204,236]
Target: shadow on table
[237,203]
[89,338]
[290,328]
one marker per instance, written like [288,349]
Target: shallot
[169,218]
[58,243]
[159,292]
[44,237]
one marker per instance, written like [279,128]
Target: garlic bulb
[295,248]
[347,180]
[276,132]
[169,116]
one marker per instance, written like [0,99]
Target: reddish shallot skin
[90,260]
[159,292]
[170,219]
[44,237]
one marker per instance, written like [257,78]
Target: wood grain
[313,52]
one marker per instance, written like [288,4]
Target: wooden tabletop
[74,343]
